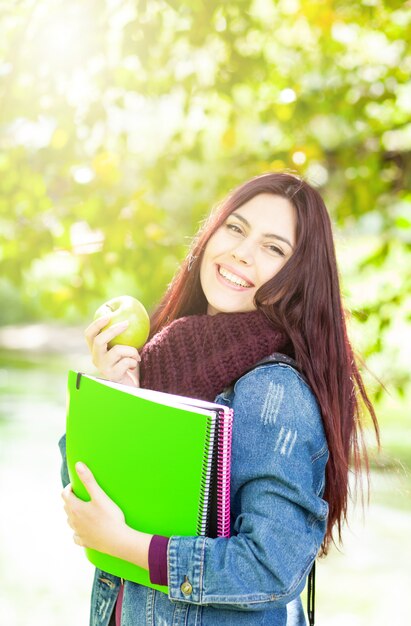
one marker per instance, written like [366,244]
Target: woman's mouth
[231,279]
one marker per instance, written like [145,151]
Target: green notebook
[164,459]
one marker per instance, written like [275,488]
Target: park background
[122,123]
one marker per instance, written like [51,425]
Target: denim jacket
[278,520]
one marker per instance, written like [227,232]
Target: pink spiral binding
[225,427]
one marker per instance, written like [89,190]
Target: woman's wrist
[133,546]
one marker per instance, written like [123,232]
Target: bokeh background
[122,123]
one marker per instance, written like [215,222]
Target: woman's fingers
[120,363]
[123,366]
[132,377]
[107,335]
[99,350]
[116,353]
[69,522]
[94,328]
[116,361]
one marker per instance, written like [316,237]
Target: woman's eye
[234,228]
[276,249]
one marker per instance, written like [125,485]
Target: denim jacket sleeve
[279,454]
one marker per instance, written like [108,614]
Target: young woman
[260,278]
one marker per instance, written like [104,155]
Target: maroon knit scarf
[200,355]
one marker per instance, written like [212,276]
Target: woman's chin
[229,307]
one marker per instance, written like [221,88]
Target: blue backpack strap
[278,357]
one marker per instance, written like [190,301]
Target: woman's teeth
[232,278]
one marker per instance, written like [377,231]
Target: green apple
[127,308]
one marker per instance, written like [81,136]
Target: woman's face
[248,249]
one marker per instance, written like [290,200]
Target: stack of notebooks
[164,459]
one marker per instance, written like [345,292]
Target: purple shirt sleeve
[119,605]
[157,564]
[157,560]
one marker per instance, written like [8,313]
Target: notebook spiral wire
[205,485]
[223,472]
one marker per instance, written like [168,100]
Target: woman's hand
[121,364]
[100,524]
[97,524]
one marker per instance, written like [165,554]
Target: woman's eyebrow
[269,235]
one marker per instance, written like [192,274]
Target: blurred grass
[391,467]
[393,414]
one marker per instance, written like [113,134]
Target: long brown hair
[304,300]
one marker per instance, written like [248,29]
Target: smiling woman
[253,320]
[241,256]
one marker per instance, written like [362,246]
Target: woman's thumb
[87,479]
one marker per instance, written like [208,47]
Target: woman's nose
[243,253]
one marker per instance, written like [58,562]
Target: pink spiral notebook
[164,459]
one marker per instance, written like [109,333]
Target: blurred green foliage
[124,121]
